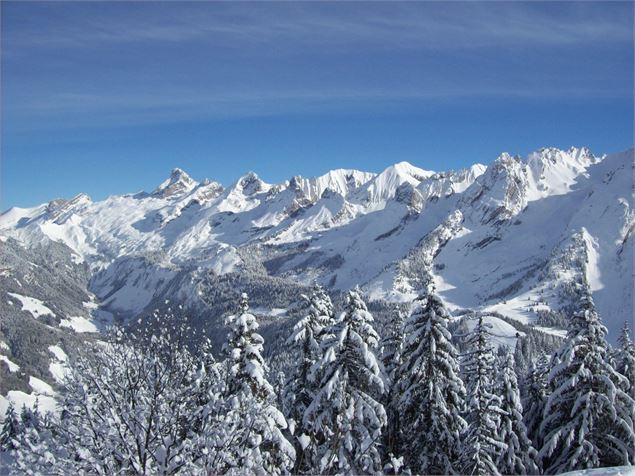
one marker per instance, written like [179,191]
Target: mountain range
[518,239]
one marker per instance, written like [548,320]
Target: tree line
[147,402]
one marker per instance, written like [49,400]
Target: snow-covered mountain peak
[178,183]
[250,184]
[506,158]
[208,189]
[340,181]
[407,169]
[444,184]
[476,170]
[296,182]
[501,192]
[384,186]
[245,194]
[60,210]
[581,157]
[58,203]
[553,171]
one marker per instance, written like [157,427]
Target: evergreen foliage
[520,456]
[391,356]
[299,391]
[346,409]
[11,428]
[259,443]
[625,358]
[535,399]
[154,400]
[481,441]
[588,417]
[430,395]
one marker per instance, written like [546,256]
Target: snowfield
[79,324]
[32,305]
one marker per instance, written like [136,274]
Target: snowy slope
[611,471]
[513,237]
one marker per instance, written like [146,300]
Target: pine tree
[625,358]
[520,456]
[346,409]
[429,393]
[392,344]
[588,418]
[260,444]
[481,442]
[391,356]
[31,447]
[31,417]
[521,354]
[535,399]
[219,426]
[299,391]
[11,428]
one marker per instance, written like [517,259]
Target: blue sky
[107,98]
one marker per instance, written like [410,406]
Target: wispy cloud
[103,64]
[394,25]
[72,110]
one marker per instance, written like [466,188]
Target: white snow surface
[40,387]
[13,367]
[58,366]
[59,354]
[79,324]
[610,471]
[501,333]
[46,403]
[32,305]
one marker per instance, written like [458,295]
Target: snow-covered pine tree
[520,456]
[391,349]
[11,428]
[260,446]
[346,409]
[217,423]
[299,390]
[535,399]
[481,444]
[521,355]
[625,358]
[31,417]
[33,447]
[429,392]
[588,418]
[326,310]
[392,343]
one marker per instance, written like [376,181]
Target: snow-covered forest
[342,400]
